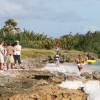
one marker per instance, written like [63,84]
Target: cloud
[91,28]
[40,10]
[8,9]
[53,15]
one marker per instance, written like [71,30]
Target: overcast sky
[53,17]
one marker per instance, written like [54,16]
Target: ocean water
[91,87]
[94,66]
[72,67]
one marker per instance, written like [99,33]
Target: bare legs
[10,66]
[1,66]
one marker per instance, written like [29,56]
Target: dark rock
[39,77]
[96,75]
[72,78]
[86,75]
[57,78]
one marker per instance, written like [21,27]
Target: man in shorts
[10,59]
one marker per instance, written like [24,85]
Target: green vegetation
[32,53]
[89,42]
[72,52]
[38,53]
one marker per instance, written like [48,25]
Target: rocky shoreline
[37,84]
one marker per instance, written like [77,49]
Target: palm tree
[11,26]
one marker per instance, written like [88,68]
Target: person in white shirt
[57,59]
[17,53]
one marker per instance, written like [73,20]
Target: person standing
[80,63]
[5,53]
[1,55]
[58,50]
[57,60]
[10,59]
[17,53]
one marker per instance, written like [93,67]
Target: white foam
[71,84]
[92,88]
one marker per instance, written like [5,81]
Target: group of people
[10,54]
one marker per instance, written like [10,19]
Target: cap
[17,41]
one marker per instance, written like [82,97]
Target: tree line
[89,42]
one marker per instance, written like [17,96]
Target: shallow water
[94,66]
[92,87]
[71,68]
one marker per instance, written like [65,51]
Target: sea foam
[91,88]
